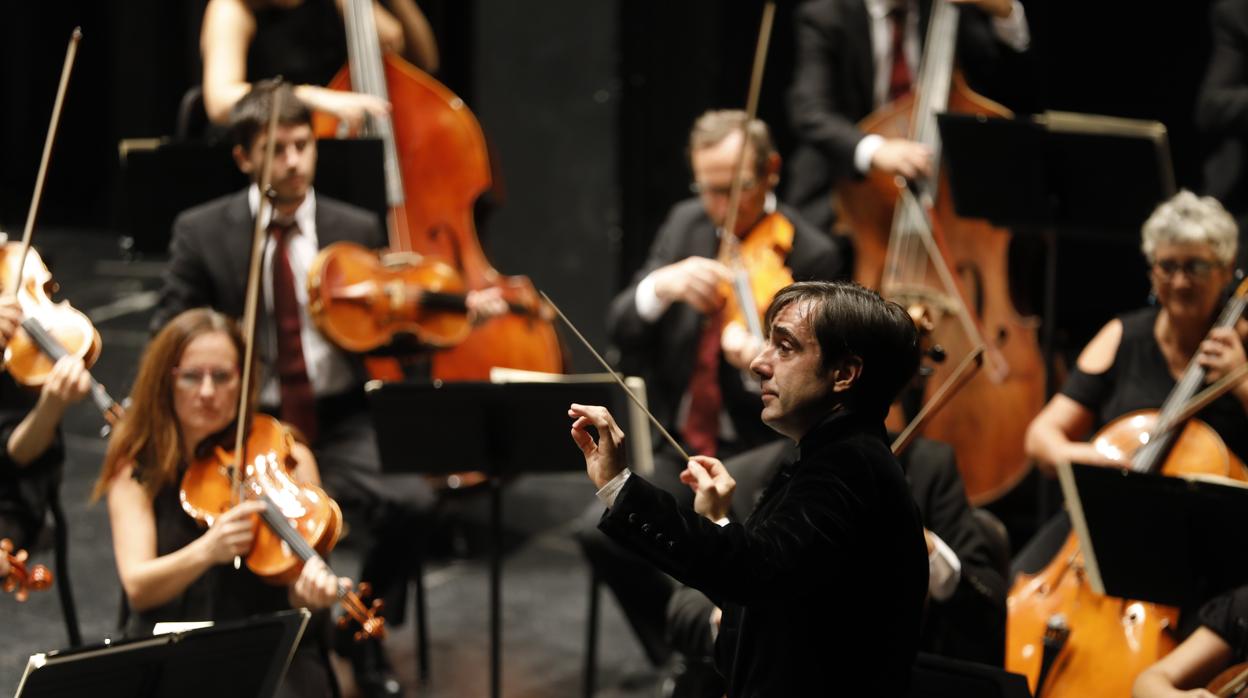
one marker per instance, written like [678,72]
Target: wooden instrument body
[207,491]
[360,300]
[1111,640]
[762,253]
[986,421]
[24,359]
[445,169]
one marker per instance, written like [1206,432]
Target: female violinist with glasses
[186,396]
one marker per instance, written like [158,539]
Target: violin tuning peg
[377,605]
[364,589]
[6,545]
[343,621]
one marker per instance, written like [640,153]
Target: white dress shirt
[329,370]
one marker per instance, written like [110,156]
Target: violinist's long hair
[149,437]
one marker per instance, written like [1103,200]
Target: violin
[301,521]
[1060,633]
[360,300]
[1231,683]
[757,262]
[49,330]
[21,579]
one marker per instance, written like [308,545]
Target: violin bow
[250,306]
[729,247]
[616,376]
[70,53]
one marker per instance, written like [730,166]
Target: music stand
[941,677]
[1189,524]
[499,429]
[247,657]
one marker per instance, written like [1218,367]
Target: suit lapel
[237,247]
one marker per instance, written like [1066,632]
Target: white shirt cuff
[649,305]
[1013,30]
[611,490]
[865,151]
[944,570]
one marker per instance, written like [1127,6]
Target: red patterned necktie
[899,77]
[298,402]
[701,428]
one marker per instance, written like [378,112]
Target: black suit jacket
[210,251]
[1222,107]
[822,587]
[833,89]
[969,625]
[663,352]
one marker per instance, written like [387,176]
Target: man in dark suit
[661,324]
[856,55]
[1222,115]
[965,616]
[823,586]
[305,380]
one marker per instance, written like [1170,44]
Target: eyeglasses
[1194,268]
[193,378]
[708,190]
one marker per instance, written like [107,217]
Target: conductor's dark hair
[250,115]
[849,320]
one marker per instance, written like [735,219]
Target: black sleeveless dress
[223,594]
[1140,379]
[306,45]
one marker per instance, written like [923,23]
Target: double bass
[436,167]
[1067,639]
[952,273]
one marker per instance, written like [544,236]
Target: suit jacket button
[632,518]
[671,545]
[659,538]
[645,528]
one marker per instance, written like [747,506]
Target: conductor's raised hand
[604,457]
[712,486]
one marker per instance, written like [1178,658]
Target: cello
[436,166]
[1060,633]
[911,246]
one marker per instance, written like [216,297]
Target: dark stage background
[587,105]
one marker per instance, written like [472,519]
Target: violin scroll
[366,616]
[22,580]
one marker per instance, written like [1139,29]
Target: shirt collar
[305,215]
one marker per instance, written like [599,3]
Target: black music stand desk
[1060,173]
[501,429]
[1168,540]
[240,658]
